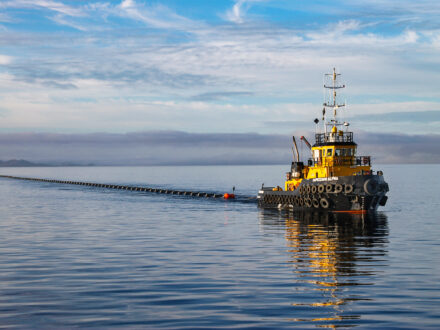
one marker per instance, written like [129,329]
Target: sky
[80,79]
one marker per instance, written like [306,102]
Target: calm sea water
[73,256]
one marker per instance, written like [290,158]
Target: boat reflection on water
[336,259]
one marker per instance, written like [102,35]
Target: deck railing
[334,137]
[340,161]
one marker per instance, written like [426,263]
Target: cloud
[5,18]
[147,66]
[157,16]
[155,148]
[178,148]
[5,59]
[55,6]
[423,117]
[61,20]
[234,15]
[401,148]
[216,96]
[58,85]
[65,71]
[238,10]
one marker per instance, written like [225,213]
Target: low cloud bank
[182,148]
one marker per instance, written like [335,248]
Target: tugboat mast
[332,100]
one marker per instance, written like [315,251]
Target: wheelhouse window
[348,152]
[316,154]
[329,152]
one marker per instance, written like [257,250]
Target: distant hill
[26,163]
[18,163]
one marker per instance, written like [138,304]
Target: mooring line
[131,188]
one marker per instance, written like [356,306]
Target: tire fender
[371,187]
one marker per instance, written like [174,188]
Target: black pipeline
[132,188]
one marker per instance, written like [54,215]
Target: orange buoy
[228,196]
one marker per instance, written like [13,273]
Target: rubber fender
[315,203]
[295,201]
[308,202]
[348,189]
[383,200]
[328,187]
[371,187]
[292,200]
[321,188]
[338,188]
[384,187]
[324,203]
[314,189]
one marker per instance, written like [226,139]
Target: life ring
[315,203]
[321,188]
[348,189]
[324,203]
[371,187]
[314,189]
[338,188]
[328,188]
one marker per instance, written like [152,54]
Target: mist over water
[75,256]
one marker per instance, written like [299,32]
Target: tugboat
[335,178]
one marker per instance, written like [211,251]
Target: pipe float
[146,189]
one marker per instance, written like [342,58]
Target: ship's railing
[339,136]
[340,161]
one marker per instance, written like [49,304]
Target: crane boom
[306,142]
[296,149]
